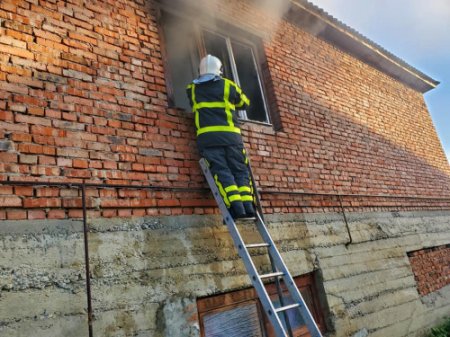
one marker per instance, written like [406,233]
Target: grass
[442,330]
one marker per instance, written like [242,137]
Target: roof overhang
[314,20]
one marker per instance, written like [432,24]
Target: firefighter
[214,100]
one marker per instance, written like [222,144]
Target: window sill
[249,125]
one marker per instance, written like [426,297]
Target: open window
[240,314]
[186,42]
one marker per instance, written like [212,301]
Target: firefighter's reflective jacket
[214,104]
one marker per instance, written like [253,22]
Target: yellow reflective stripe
[244,100]
[235,197]
[247,198]
[228,107]
[222,191]
[245,189]
[194,104]
[238,90]
[210,105]
[231,188]
[218,129]
[252,192]
[220,105]
[245,158]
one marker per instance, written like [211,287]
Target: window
[239,313]
[186,42]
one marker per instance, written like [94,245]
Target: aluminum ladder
[279,268]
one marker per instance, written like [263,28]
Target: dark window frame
[229,300]
[229,31]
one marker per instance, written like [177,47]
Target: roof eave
[319,23]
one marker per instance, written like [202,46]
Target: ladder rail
[289,281]
[278,266]
[245,255]
[274,269]
[276,261]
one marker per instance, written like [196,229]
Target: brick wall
[431,268]
[83,99]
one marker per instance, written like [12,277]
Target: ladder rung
[252,219]
[257,245]
[287,307]
[271,275]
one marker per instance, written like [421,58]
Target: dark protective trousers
[229,167]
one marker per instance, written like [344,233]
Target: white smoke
[273,8]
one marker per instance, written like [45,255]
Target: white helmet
[210,65]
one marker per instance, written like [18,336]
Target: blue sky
[418,32]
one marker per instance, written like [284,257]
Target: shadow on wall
[323,150]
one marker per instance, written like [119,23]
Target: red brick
[56,214]
[81,68]
[46,13]
[12,69]
[75,213]
[47,192]
[47,131]
[19,36]
[36,214]
[28,159]
[16,26]
[72,203]
[69,152]
[6,115]
[42,202]
[429,269]
[75,58]
[16,215]
[197,203]
[10,41]
[6,157]
[36,111]
[28,63]
[124,213]
[25,191]
[139,212]
[84,38]
[19,89]
[16,51]
[31,101]
[168,203]
[109,213]
[46,35]
[46,47]
[26,81]
[21,118]
[79,163]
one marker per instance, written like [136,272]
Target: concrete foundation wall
[148,272]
